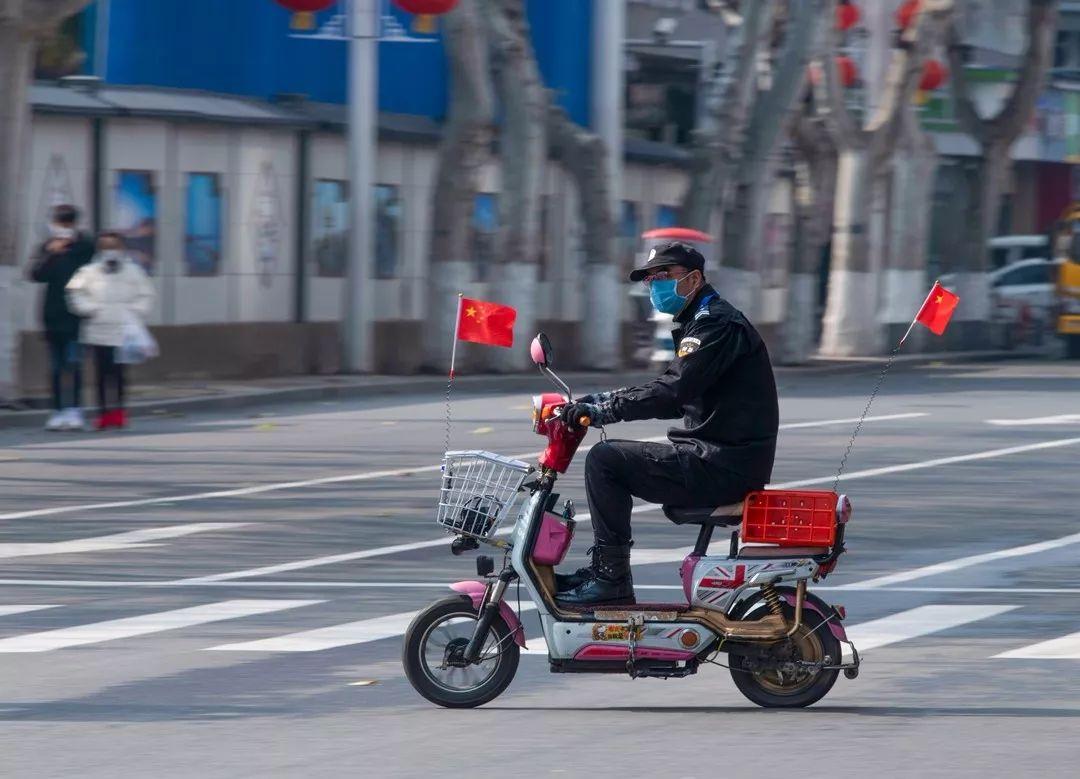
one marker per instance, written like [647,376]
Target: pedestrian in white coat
[110,293]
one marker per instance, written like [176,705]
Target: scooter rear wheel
[432,655]
[784,688]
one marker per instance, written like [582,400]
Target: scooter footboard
[475,590]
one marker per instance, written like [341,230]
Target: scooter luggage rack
[479,489]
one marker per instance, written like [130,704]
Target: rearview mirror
[540,350]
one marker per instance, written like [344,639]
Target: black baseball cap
[672,253]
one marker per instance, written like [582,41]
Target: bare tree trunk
[815,177]
[995,136]
[523,155]
[850,326]
[582,154]
[16,61]
[715,149]
[464,149]
[912,197]
[753,181]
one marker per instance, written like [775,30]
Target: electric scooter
[783,644]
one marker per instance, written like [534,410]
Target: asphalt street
[224,595]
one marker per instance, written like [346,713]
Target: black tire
[760,689]
[422,676]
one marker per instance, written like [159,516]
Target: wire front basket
[479,489]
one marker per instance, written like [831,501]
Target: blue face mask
[664,297]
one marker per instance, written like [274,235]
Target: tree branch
[1042,29]
[44,15]
[833,108]
[1005,126]
[905,70]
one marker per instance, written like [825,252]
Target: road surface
[223,595]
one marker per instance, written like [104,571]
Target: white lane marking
[408,547]
[109,630]
[1064,648]
[1060,419]
[20,608]
[135,539]
[916,622]
[261,489]
[962,562]
[853,420]
[654,556]
[346,634]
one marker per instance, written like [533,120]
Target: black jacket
[54,270]
[721,383]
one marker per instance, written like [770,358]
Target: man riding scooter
[720,382]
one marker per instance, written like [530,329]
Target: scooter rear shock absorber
[772,597]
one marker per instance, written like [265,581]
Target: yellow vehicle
[1065,246]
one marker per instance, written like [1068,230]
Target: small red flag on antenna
[937,309]
[486,323]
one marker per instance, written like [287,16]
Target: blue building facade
[245,47]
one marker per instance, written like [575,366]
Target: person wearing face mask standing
[721,384]
[108,293]
[56,261]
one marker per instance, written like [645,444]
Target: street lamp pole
[363,115]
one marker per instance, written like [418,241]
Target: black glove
[597,414]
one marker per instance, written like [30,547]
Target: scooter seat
[717,516]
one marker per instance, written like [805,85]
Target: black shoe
[611,583]
[565,582]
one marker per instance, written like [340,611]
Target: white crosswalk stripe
[21,608]
[1064,648]
[916,622]
[110,630]
[359,632]
[892,629]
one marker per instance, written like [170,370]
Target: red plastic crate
[790,518]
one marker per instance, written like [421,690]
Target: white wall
[257,169]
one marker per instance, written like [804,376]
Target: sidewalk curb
[360,388]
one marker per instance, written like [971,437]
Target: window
[1029,274]
[387,231]
[667,216]
[485,230]
[629,234]
[135,214]
[202,225]
[330,228]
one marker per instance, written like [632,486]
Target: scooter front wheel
[434,650]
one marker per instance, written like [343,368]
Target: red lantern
[432,7]
[933,75]
[304,11]
[425,12]
[847,16]
[847,71]
[905,14]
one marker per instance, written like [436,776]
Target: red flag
[937,309]
[486,323]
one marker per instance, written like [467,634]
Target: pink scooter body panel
[476,590]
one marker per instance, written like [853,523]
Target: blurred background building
[212,136]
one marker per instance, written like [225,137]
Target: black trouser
[110,375]
[65,359]
[617,471]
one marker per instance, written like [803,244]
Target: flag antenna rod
[877,389]
[450,378]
